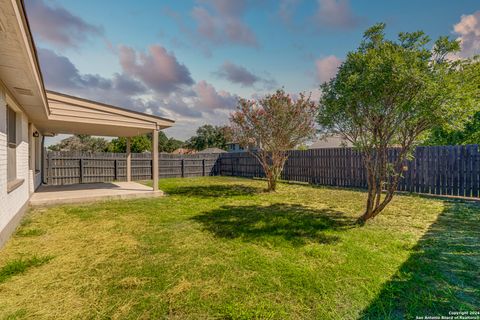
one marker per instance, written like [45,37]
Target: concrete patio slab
[80,193]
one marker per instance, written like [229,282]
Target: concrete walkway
[89,192]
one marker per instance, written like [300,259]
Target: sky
[190,60]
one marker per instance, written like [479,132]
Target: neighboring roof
[333,141]
[212,150]
[183,151]
[54,112]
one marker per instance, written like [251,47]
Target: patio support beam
[129,160]
[155,159]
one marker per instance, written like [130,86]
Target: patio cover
[69,114]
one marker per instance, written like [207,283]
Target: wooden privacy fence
[442,170]
[72,167]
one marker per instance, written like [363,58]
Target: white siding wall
[12,204]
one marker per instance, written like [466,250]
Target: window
[11,127]
[11,144]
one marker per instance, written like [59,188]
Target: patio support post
[155,159]
[31,158]
[129,160]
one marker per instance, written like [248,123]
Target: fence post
[151,169]
[311,167]
[183,168]
[81,170]
[48,167]
[203,167]
[115,167]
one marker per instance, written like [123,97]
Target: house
[29,112]
[236,147]
[330,141]
[212,150]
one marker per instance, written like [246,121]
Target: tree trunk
[272,167]
[272,184]
[369,207]
[371,193]
[377,179]
[374,205]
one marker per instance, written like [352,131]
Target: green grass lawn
[219,247]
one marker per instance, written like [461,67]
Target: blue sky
[189,60]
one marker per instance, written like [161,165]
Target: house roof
[54,112]
[212,150]
[183,151]
[331,141]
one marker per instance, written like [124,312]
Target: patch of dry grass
[85,255]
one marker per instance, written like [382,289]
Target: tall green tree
[470,134]
[138,144]
[81,143]
[208,136]
[166,144]
[389,94]
[143,143]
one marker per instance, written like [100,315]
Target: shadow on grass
[295,224]
[441,275]
[217,190]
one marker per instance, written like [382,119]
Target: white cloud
[58,26]
[220,22]
[468,30]
[336,14]
[158,68]
[326,68]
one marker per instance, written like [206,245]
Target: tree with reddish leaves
[274,125]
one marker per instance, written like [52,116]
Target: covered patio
[90,192]
[73,115]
